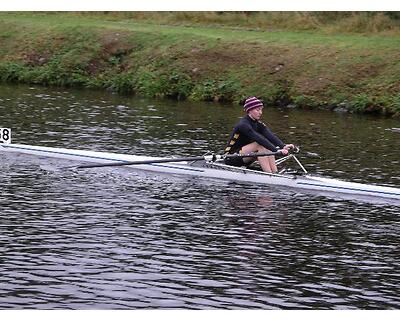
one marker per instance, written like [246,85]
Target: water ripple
[120,239]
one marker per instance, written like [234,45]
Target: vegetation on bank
[133,55]
[328,22]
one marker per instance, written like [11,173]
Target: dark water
[120,239]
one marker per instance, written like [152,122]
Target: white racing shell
[213,170]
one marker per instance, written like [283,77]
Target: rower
[251,135]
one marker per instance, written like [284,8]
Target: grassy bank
[308,69]
[327,22]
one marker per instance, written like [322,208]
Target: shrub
[11,71]
[176,85]
[395,104]
[361,103]
[121,83]
[303,101]
[216,90]
[279,93]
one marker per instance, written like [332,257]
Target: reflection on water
[114,238]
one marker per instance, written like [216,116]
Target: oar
[312,155]
[213,157]
[305,153]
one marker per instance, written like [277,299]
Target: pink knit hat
[252,103]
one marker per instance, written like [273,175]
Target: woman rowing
[251,135]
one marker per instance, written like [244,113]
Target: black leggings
[235,161]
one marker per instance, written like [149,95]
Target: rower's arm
[271,136]
[259,138]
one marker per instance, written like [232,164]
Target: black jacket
[247,131]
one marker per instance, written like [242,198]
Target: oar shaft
[155,161]
[127,163]
[253,155]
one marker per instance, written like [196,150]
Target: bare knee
[260,148]
[251,147]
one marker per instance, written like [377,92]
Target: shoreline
[305,70]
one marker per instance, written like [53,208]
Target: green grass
[308,68]
[322,22]
[62,21]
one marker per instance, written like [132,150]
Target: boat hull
[214,170]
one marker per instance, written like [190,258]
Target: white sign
[5,135]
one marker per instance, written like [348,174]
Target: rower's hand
[284,152]
[289,146]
